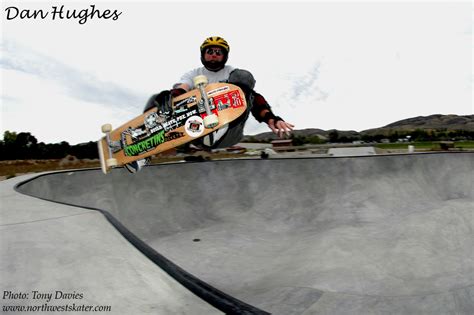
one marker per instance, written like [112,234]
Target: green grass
[435,145]
[397,146]
[464,145]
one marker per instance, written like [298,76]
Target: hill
[437,122]
[306,133]
[442,124]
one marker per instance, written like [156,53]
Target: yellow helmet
[215,41]
[219,42]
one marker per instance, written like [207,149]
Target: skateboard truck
[211,120]
[111,162]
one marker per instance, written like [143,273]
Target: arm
[162,100]
[186,81]
[262,112]
[183,86]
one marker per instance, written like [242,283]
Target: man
[214,55]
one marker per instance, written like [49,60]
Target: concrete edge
[206,292]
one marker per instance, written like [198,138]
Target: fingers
[271,124]
[281,128]
[285,128]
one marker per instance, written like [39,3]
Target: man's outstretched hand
[280,128]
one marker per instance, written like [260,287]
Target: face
[215,54]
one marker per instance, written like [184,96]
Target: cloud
[50,115]
[77,84]
[307,84]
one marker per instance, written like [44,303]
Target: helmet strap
[215,66]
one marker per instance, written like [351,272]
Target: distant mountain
[307,133]
[269,136]
[433,122]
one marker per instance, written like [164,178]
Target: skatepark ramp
[350,235]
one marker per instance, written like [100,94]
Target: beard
[214,65]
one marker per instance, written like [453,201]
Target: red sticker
[228,100]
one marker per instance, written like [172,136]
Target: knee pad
[242,78]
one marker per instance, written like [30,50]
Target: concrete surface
[351,151]
[349,235]
[49,248]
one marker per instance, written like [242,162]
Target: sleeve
[187,78]
[260,107]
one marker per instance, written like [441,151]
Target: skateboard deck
[154,132]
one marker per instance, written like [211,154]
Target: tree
[9,137]
[298,140]
[85,150]
[333,136]
[25,146]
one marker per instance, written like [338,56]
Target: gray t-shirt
[213,77]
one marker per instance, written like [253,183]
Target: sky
[330,65]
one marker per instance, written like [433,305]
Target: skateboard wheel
[211,121]
[200,79]
[106,128]
[112,162]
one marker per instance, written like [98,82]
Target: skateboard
[194,114]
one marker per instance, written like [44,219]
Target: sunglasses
[216,51]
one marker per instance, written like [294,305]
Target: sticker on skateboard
[194,114]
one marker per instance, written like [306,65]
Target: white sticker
[194,126]
[219,89]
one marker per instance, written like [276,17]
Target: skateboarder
[214,55]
